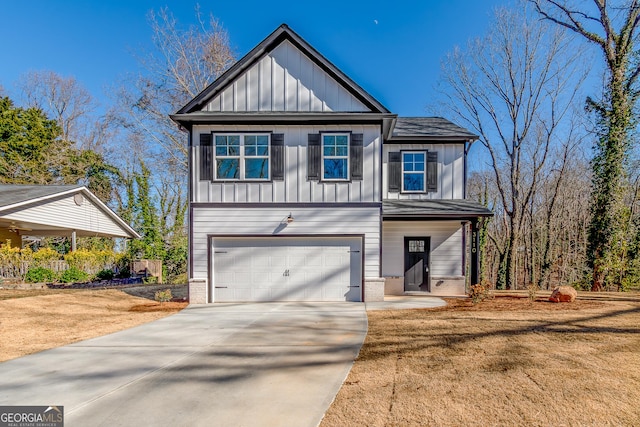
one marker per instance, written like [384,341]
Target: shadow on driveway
[215,365]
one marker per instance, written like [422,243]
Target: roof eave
[460,139]
[466,216]
[134,234]
[279,117]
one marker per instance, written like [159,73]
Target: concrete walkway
[399,302]
[268,364]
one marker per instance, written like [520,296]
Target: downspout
[190,195]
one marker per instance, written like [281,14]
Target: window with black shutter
[277,157]
[395,171]
[357,154]
[314,157]
[206,169]
[413,171]
[241,157]
[432,171]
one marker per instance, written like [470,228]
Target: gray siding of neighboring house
[295,188]
[65,213]
[285,80]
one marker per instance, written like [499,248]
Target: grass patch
[39,319]
[508,361]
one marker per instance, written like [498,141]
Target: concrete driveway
[269,364]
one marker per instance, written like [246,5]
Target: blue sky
[392,49]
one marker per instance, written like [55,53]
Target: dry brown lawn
[36,320]
[505,362]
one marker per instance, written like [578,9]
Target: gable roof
[17,197]
[12,195]
[431,128]
[282,33]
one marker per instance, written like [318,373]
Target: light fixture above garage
[290,218]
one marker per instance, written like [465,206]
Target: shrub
[123,274]
[123,265]
[480,292]
[12,259]
[151,280]
[72,275]
[91,261]
[40,275]
[581,285]
[180,279]
[105,274]
[45,256]
[163,296]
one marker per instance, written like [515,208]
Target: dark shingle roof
[429,127]
[429,209]
[10,194]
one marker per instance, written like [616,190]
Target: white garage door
[287,269]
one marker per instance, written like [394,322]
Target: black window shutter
[432,171]
[206,170]
[395,171]
[277,157]
[314,157]
[356,154]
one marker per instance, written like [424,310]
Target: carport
[56,210]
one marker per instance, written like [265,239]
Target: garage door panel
[287,269]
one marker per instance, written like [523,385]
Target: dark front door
[416,263]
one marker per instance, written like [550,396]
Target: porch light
[290,218]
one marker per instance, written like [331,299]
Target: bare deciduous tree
[614,28]
[63,99]
[182,65]
[515,88]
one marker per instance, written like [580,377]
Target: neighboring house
[304,187]
[56,210]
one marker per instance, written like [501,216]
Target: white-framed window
[335,156]
[414,171]
[242,157]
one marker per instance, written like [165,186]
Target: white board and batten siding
[285,80]
[309,223]
[446,246]
[450,171]
[65,213]
[295,188]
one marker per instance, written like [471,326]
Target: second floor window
[335,157]
[413,171]
[241,157]
[414,174]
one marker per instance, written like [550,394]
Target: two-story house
[303,187]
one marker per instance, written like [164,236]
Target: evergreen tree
[32,151]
